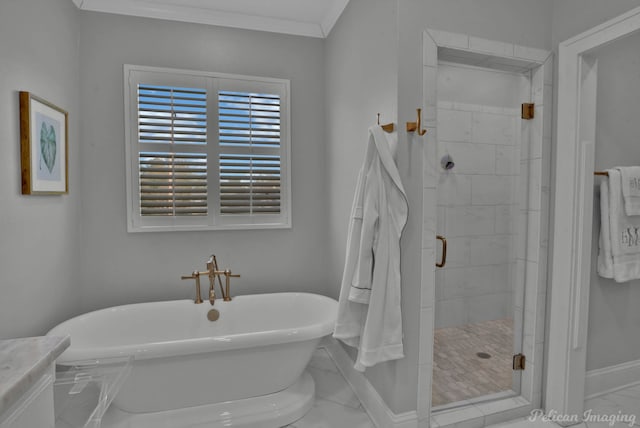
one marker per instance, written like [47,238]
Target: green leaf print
[48,146]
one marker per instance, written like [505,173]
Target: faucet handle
[227,276]
[195,275]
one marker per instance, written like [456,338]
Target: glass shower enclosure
[488,210]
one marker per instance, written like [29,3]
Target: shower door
[482,195]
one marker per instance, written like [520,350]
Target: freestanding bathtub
[260,345]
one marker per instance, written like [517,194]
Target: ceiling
[312,18]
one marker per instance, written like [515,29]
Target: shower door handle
[443,260]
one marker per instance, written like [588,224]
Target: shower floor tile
[459,373]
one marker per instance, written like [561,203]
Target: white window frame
[134,75]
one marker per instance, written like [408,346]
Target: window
[206,150]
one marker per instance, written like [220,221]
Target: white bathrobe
[369,316]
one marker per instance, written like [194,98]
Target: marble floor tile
[526,422]
[327,414]
[336,404]
[619,409]
[331,386]
[322,360]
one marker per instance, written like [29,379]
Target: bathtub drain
[213,315]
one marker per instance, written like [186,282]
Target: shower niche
[486,190]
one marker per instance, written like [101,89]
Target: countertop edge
[24,361]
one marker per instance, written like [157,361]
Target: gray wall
[119,267]
[38,234]
[613,308]
[572,17]
[361,75]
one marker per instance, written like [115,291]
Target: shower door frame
[575,153]
[534,267]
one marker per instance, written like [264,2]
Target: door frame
[540,62]
[571,263]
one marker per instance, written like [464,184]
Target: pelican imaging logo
[49,150]
[589,415]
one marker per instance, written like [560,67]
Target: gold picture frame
[44,147]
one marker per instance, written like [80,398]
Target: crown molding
[179,11]
[332,16]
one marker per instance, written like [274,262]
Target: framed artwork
[43,147]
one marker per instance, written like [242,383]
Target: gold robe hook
[386,128]
[417,126]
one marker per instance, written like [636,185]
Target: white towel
[619,253]
[605,257]
[631,188]
[369,315]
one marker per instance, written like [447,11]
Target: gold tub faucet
[212,273]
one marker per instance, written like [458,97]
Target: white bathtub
[260,345]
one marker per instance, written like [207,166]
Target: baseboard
[373,404]
[612,378]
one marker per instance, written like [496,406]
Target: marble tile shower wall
[478,209]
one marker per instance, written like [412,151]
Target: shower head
[447,162]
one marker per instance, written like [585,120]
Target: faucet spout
[213,272]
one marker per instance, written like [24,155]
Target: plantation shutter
[206,151]
[249,183]
[251,122]
[173,173]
